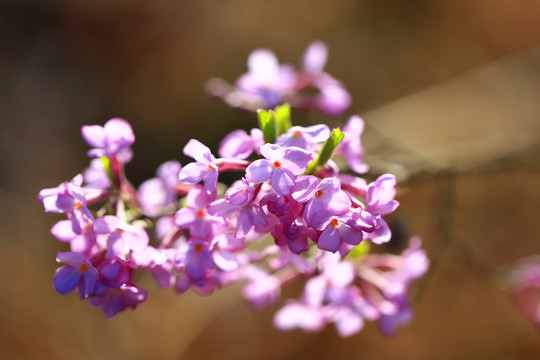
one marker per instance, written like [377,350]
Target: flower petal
[259,171]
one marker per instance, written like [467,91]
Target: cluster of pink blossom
[268,84]
[293,214]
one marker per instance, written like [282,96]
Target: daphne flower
[351,145]
[304,137]
[110,139]
[380,201]
[239,145]
[266,79]
[119,299]
[67,198]
[78,274]
[280,167]
[203,169]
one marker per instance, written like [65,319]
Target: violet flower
[332,98]
[196,259]
[323,195]
[67,198]
[96,177]
[380,201]
[84,243]
[108,140]
[156,193]
[351,145]
[119,299]
[239,145]
[239,199]
[195,216]
[204,168]
[78,274]
[266,80]
[304,137]
[121,238]
[280,167]
[337,229]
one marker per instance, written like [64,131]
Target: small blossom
[280,167]
[67,198]
[156,193]
[238,144]
[119,299]
[351,145]
[121,238]
[110,139]
[96,177]
[304,137]
[78,274]
[204,168]
[266,79]
[195,216]
[324,195]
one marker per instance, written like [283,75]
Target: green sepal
[267,123]
[327,150]
[283,118]
[359,250]
[106,162]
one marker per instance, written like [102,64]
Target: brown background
[450,92]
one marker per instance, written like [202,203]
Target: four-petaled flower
[280,167]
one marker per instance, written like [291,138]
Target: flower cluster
[268,84]
[292,214]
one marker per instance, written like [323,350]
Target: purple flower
[239,145]
[403,315]
[314,57]
[226,252]
[196,258]
[280,167]
[67,198]
[304,137]
[78,274]
[204,168]
[84,243]
[96,177]
[119,299]
[295,235]
[239,199]
[299,315]
[380,201]
[351,145]
[337,229]
[156,193]
[113,272]
[261,289]
[332,98]
[195,216]
[324,195]
[121,238]
[160,262]
[266,80]
[110,139]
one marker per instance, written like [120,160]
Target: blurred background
[450,93]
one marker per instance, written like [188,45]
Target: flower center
[78,205]
[83,268]
[277,164]
[198,248]
[297,134]
[200,213]
[334,223]
[319,193]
